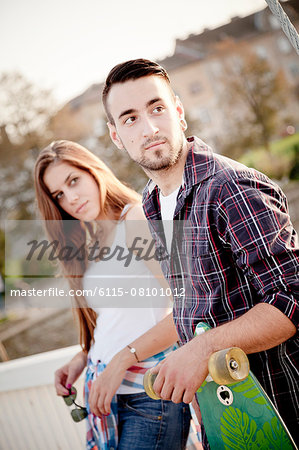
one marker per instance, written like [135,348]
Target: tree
[25,110]
[254,98]
[117,160]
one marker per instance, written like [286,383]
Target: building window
[195,87]
[284,45]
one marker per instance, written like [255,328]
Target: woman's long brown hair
[68,231]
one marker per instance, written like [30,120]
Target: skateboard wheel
[228,366]
[148,381]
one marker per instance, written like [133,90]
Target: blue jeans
[151,424]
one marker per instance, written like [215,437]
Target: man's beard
[160,161]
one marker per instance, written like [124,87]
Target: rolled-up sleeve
[253,219]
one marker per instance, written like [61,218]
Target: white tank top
[133,292]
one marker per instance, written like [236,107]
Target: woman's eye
[130,120]
[59,195]
[74,180]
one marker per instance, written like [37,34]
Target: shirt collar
[200,163]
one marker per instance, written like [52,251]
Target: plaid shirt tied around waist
[102,432]
[233,246]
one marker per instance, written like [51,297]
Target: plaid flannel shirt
[233,246]
[102,432]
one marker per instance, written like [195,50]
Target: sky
[67,45]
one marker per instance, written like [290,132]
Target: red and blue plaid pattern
[233,246]
[102,432]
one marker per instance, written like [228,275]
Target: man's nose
[149,128]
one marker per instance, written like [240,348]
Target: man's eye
[130,120]
[158,109]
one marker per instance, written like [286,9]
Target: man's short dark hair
[131,70]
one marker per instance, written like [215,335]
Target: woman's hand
[69,373]
[106,384]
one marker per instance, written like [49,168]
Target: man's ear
[114,136]
[181,113]
[179,108]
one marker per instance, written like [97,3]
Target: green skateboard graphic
[236,412]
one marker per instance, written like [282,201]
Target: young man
[236,266]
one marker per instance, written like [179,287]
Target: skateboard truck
[233,364]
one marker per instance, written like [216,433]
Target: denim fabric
[151,424]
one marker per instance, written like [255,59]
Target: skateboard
[236,412]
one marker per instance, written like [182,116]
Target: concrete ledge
[35,370]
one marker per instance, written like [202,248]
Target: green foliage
[276,436]
[24,107]
[25,110]
[202,386]
[294,172]
[281,161]
[240,432]
[249,390]
[3,319]
[2,250]
[255,96]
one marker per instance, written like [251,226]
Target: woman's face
[75,190]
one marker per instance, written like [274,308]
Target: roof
[197,46]
[91,95]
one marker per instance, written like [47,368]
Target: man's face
[147,122]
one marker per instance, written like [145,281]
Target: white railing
[32,416]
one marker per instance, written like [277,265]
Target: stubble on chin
[159,161]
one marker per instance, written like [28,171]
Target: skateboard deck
[240,415]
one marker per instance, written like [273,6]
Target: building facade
[197,71]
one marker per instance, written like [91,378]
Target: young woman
[85,206]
